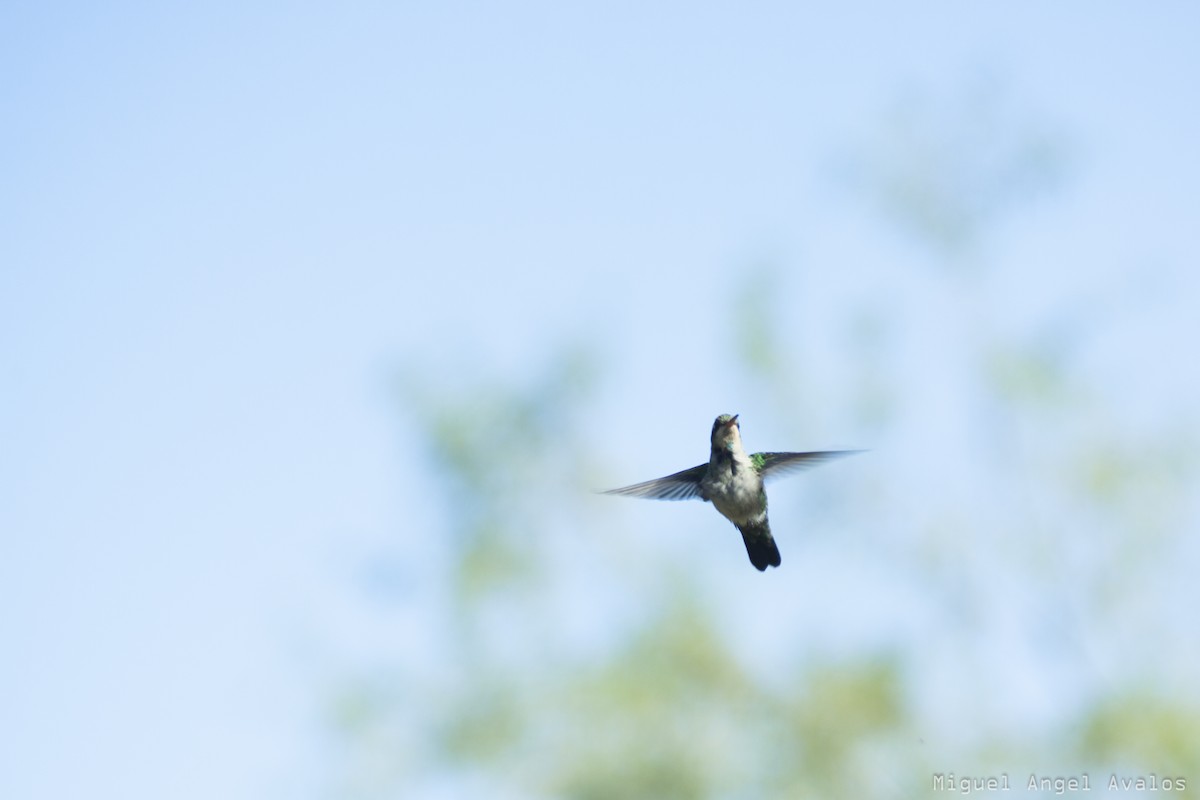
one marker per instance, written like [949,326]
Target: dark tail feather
[760,545]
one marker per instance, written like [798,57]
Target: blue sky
[222,228]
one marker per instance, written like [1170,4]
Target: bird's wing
[773,465]
[681,486]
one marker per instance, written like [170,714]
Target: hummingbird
[733,482]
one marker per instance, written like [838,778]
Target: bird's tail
[760,544]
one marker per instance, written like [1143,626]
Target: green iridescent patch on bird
[759,460]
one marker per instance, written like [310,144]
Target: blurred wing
[681,486]
[774,465]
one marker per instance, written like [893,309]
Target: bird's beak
[734,420]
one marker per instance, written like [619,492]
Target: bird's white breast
[736,493]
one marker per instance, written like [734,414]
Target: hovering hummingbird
[733,482]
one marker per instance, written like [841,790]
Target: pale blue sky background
[223,227]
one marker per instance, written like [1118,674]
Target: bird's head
[725,430]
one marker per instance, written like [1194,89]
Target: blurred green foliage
[667,709]
[1142,728]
